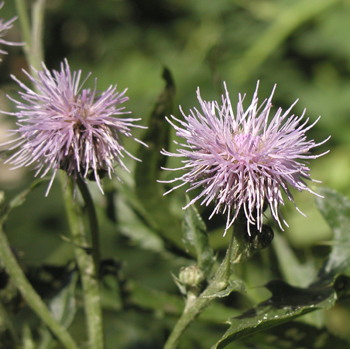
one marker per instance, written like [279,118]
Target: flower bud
[191,276]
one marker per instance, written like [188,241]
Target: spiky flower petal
[62,125]
[244,160]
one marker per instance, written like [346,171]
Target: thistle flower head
[5,26]
[244,160]
[62,125]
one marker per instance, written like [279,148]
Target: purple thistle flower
[243,160]
[5,26]
[63,126]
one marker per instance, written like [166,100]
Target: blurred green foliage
[302,45]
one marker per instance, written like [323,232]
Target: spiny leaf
[294,335]
[287,302]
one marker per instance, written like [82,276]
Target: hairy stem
[86,265]
[92,216]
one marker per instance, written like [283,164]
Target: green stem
[228,257]
[32,35]
[24,22]
[86,265]
[29,294]
[195,306]
[238,250]
[91,213]
[38,12]
[283,26]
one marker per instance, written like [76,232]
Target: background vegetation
[302,45]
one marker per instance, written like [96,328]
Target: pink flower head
[243,160]
[5,26]
[62,125]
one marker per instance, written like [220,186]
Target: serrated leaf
[157,211]
[335,208]
[196,236]
[287,302]
[295,335]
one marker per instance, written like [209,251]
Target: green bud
[191,276]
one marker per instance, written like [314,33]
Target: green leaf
[335,208]
[110,293]
[63,305]
[6,322]
[27,338]
[294,272]
[155,300]
[164,303]
[63,308]
[287,302]
[157,212]
[196,236]
[233,286]
[18,200]
[295,335]
[131,224]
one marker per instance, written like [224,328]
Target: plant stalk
[93,222]
[30,295]
[86,265]
[195,305]
[32,32]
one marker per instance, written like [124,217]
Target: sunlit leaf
[296,273]
[287,302]
[335,208]
[294,335]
